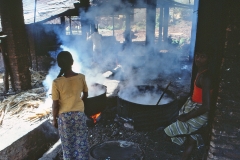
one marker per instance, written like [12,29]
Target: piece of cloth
[177,129]
[68,92]
[73,134]
[197,94]
[197,91]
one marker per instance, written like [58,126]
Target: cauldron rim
[149,105]
[105,90]
[171,94]
[95,104]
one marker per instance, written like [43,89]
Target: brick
[13,25]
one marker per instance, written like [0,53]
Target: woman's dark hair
[206,49]
[209,51]
[65,61]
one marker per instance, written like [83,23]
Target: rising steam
[138,63]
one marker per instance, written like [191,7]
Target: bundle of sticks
[25,105]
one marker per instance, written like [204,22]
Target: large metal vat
[97,102]
[148,116]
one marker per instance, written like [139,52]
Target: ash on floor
[153,143]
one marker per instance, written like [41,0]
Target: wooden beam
[165,23]
[160,36]
[150,22]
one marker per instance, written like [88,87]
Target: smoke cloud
[143,95]
[139,63]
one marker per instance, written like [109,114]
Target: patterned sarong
[73,133]
[186,128]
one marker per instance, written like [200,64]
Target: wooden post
[165,23]
[150,23]
[127,35]
[113,23]
[5,79]
[70,24]
[194,30]
[17,43]
[63,25]
[160,36]
[7,72]
[35,10]
[36,35]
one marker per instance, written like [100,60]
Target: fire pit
[117,150]
[96,101]
[139,105]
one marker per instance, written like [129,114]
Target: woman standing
[68,109]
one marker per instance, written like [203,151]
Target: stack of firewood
[25,105]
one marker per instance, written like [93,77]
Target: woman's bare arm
[55,112]
[84,96]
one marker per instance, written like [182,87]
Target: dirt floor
[111,128]
[153,143]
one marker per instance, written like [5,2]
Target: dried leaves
[23,104]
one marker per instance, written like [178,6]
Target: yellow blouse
[68,92]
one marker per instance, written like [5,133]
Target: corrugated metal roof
[45,9]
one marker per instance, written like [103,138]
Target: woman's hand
[55,123]
[183,117]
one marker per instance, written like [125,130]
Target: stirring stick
[163,92]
